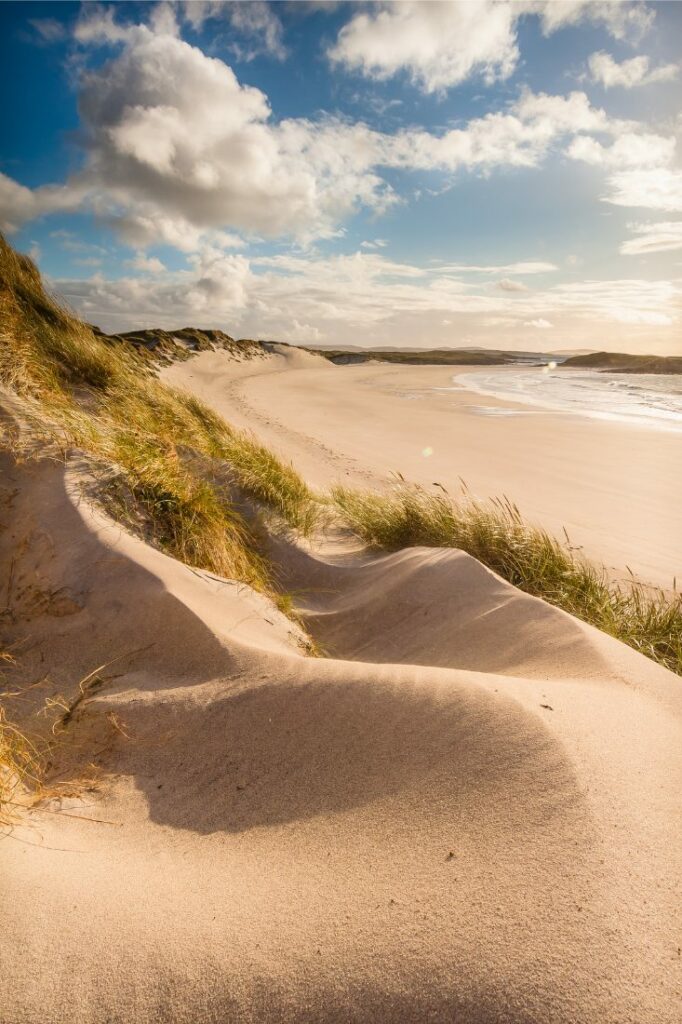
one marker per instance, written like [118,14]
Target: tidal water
[644,399]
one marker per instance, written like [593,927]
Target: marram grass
[175,464]
[528,557]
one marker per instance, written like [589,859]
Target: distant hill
[419,357]
[622,362]
[565,352]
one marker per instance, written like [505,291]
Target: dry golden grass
[42,760]
[19,760]
[19,766]
[80,392]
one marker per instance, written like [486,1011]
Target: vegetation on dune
[525,555]
[28,772]
[18,759]
[172,459]
[168,467]
[18,765]
[156,346]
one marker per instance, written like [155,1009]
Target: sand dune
[466,813]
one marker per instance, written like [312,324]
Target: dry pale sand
[468,813]
[615,488]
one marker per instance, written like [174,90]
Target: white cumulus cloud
[628,73]
[521,267]
[441,43]
[621,19]
[177,146]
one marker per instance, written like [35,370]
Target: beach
[614,487]
[464,807]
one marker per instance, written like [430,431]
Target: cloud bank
[238,170]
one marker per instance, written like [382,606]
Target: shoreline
[549,403]
[612,486]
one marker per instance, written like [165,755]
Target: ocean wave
[648,400]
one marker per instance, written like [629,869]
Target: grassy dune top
[172,464]
[164,347]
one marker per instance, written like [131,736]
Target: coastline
[593,393]
[613,487]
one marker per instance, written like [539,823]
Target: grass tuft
[19,760]
[273,483]
[525,555]
[19,765]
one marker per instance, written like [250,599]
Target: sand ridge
[467,812]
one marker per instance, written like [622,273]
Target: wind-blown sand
[469,812]
[615,488]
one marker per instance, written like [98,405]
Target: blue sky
[499,174]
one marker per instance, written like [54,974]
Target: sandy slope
[614,487]
[471,817]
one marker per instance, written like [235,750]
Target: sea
[649,400]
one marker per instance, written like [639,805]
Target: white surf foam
[646,399]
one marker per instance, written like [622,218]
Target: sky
[491,174]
